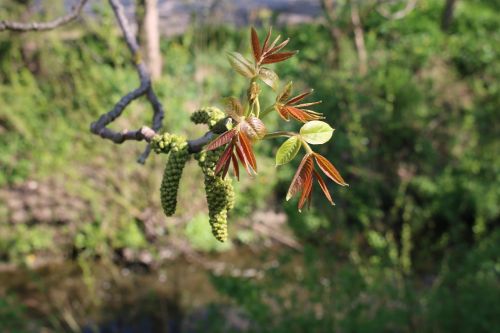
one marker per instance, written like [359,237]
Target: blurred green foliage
[411,245]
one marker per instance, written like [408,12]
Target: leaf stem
[307,147]
[268,110]
[278,134]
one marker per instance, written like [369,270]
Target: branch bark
[40,26]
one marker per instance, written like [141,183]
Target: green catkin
[219,192]
[209,116]
[177,148]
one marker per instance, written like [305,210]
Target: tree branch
[99,127]
[39,26]
[410,5]
[145,88]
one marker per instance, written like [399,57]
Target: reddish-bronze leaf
[277,57]
[236,167]
[282,112]
[303,105]
[241,157]
[264,46]
[297,181]
[298,98]
[226,167]
[303,115]
[322,184]
[221,140]
[255,44]
[306,189]
[270,47]
[247,150]
[279,47]
[329,170]
[224,159]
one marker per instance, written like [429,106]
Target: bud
[254,128]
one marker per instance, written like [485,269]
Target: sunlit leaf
[288,150]
[269,77]
[329,170]
[241,64]
[316,132]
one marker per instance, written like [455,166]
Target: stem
[307,147]
[278,134]
[268,110]
[257,107]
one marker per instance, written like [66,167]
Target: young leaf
[316,132]
[246,148]
[255,44]
[241,64]
[323,187]
[224,160]
[221,140]
[306,190]
[269,77]
[278,57]
[288,150]
[329,170]
[236,168]
[306,166]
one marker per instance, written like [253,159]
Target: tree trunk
[359,39]
[329,9]
[149,35]
[447,16]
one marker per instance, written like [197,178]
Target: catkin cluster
[219,192]
[177,148]
[209,116]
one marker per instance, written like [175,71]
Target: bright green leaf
[269,77]
[241,64]
[288,150]
[316,132]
